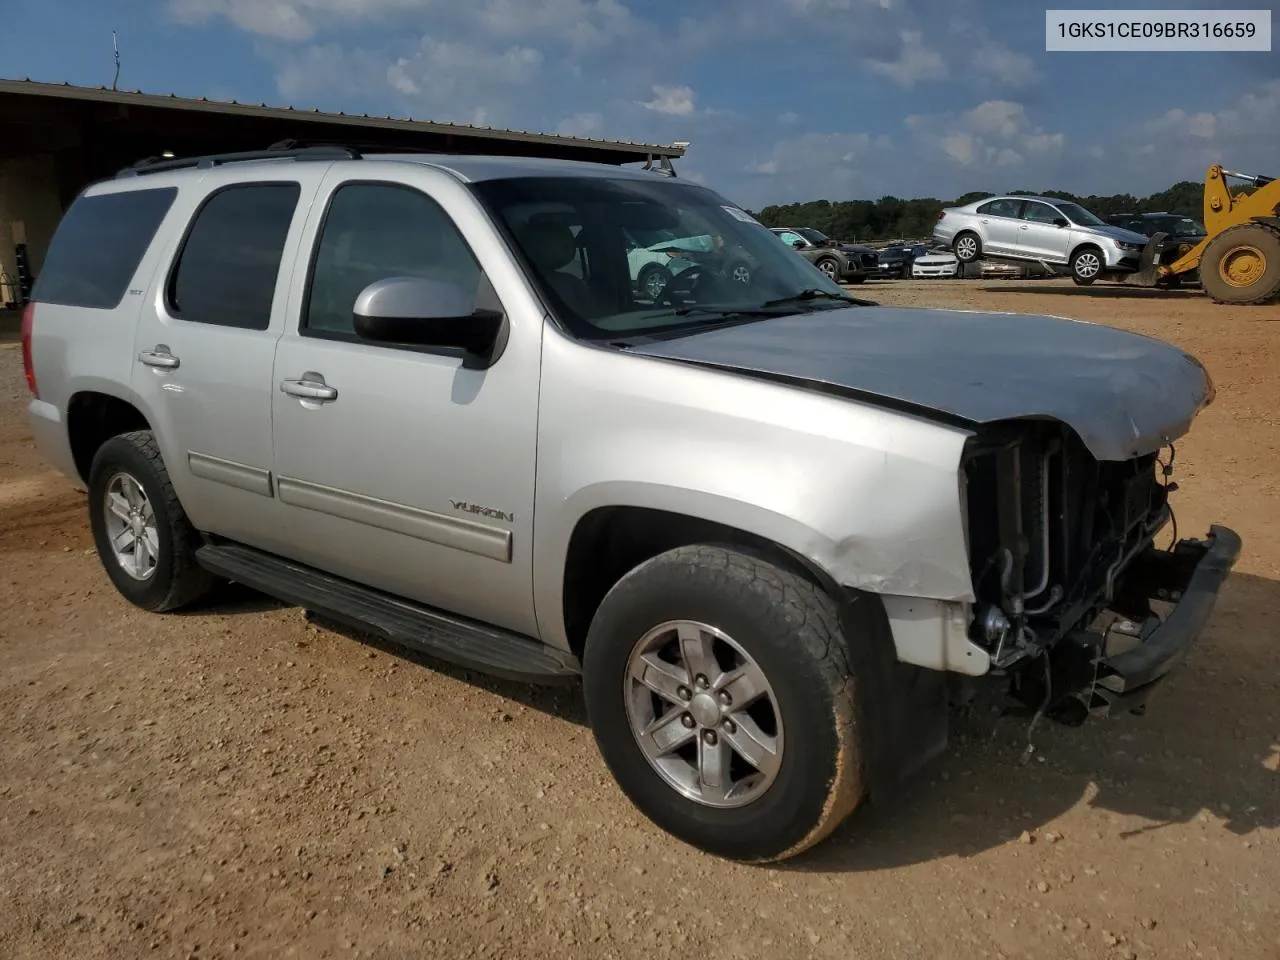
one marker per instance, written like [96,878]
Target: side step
[462,642]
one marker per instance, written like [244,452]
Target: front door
[399,468]
[205,343]
[1039,236]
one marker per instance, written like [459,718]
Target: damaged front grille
[1050,530]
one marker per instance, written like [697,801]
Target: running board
[455,640]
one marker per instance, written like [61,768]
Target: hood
[1115,233]
[1125,395]
[856,248]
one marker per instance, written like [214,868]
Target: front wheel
[1086,265]
[830,267]
[653,280]
[724,699]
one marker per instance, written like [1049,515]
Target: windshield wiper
[811,294]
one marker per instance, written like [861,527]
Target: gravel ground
[237,781]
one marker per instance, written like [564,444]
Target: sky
[780,100]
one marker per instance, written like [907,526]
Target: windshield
[620,258]
[813,236]
[1175,226]
[1078,214]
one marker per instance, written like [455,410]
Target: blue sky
[782,100]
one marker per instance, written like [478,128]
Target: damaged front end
[1075,602]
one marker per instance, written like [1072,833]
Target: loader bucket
[1149,265]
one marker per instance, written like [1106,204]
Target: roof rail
[280,151]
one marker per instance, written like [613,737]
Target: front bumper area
[1117,667]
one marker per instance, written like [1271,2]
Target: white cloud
[676,101]
[285,19]
[915,62]
[581,125]
[995,133]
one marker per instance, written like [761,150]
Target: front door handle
[159,356]
[310,386]
[1023,227]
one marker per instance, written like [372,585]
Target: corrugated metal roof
[67,91]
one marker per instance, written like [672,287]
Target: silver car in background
[1041,229]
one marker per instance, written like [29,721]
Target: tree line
[893,218]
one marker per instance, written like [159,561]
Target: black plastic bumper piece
[464,643]
[1192,575]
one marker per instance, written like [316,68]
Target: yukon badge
[494,514]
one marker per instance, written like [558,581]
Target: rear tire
[1241,265]
[653,280]
[967,247]
[738,613]
[145,541]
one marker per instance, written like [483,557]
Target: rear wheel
[967,247]
[1086,265]
[724,699]
[1241,265]
[653,280]
[144,539]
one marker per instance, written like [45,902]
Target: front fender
[871,497]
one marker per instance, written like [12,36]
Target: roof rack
[280,151]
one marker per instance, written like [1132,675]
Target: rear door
[1039,236]
[999,222]
[205,342]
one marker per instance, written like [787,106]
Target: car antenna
[115,46]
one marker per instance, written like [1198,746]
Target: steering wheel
[685,283]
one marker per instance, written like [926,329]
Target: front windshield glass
[813,236]
[620,258]
[1176,226]
[1079,215]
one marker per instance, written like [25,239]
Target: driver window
[1039,212]
[790,237]
[375,231]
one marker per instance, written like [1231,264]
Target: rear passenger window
[374,231]
[98,245]
[1004,207]
[227,269]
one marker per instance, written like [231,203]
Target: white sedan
[935,263]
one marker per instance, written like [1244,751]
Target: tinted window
[1004,207]
[227,270]
[813,236]
[1039,212]
[376,231]
[98,246]
[1078,214]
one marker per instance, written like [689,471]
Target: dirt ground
[237,781]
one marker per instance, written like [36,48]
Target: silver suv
[763,522]
[1041,229]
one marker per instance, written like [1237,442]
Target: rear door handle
[159,356]
[310,386]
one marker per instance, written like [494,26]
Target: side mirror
[798,244]
[426,313]
[1061,222]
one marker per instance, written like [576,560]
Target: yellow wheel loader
[1239,259]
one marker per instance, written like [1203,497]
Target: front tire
[830,267]
[144,539]
[1086,265]
[723,697]
[1241,265]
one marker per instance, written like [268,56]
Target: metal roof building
[56,138]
